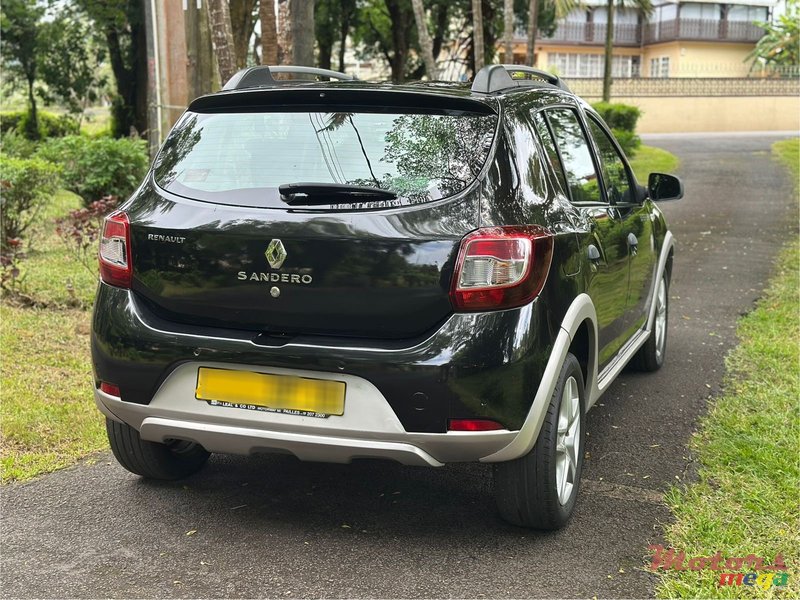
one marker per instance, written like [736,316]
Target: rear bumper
[367,429]
[482,365]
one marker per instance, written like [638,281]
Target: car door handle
[633,242]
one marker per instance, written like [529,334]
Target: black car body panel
[446,374]
[375,274]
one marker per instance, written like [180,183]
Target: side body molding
[582,309]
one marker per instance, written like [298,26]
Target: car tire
[538,490]
[650,356]
[154,460]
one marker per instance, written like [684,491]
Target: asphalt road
[272,526]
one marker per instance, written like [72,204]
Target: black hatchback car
[425,273]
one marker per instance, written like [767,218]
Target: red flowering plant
[81,229]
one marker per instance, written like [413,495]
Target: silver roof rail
[261,76]
[497,78]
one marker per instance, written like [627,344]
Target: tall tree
[69,58]
[302,16]
[645,7]
[425,43]
[243,22]
[508,31]
[533,24]
[199,52]
[121,23]
[285,36]
[19,29]
[385,29]
[269,32]
[334,21]
[477,34]
[222,38]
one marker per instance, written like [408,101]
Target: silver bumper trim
[240,440]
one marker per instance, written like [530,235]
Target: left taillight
[501,267]
[116,267]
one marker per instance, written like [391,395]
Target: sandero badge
[437,307]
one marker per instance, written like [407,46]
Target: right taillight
[501,267]
[115,251]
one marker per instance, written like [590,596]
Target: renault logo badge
[275,254]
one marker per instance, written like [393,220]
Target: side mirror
[664,187]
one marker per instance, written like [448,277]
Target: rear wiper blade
[306,194]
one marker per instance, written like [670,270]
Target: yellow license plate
[279,392]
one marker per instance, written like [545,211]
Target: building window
[659,67]
[591,65]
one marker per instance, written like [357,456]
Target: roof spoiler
[261,76]
[498,78]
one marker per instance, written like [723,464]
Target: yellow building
[682,38]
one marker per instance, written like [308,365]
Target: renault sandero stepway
[424,273]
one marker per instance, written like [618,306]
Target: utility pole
[153,80]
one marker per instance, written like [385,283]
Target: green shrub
[50,125]
[17,145]
[25,186]
[618,116]
[9,121]
[98,167]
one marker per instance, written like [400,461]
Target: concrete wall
[687,114]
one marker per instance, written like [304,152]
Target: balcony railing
[631,34]
[702,29]
[625,34]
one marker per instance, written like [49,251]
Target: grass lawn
[747,498]
[652,160]
[47,411]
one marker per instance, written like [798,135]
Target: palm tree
[269,33]
[301,12]
[477,34]
[645,7]
[508,31]
[560,7]
[425,43]
[222,38]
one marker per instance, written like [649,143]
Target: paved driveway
[272,526]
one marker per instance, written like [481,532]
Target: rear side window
[575,154]
[550,148]
[242,158]
[615,175]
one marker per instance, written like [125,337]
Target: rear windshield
[242,158]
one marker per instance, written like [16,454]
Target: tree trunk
[609,52]
[269,33]
[425,43]
[477,34]
[140,76]
[284,29]
[32,125]
[533,24]
[242,25]
[401,20]
[348,10]
[508,32]
[199,55]
[302,17]
[222,38]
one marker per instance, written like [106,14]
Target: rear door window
[615,174]
[575,154]
[242,158]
